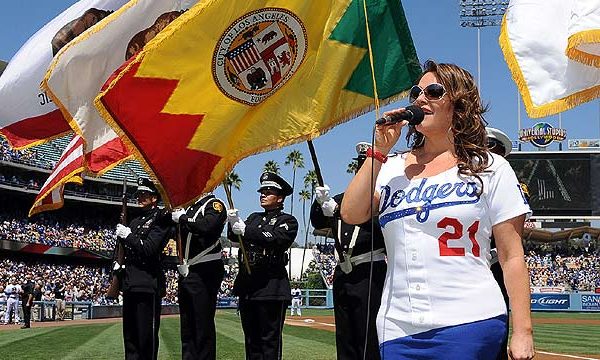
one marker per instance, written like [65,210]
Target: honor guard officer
[351,278]
[200,275]
[499,143]
[142,277]
[264,294]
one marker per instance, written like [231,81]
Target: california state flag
[27,115]
[229,79]
[76,75]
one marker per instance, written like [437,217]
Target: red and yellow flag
[204,93]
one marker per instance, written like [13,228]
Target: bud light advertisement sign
[590,302]
[550,301]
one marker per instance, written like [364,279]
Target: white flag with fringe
[552,48]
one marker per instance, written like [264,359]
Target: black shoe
[25,327]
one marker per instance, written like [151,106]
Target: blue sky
[437,34]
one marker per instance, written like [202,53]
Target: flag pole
[244,254]
[119,253]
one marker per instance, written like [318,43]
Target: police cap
[145,185]
[498,138]
[272,181]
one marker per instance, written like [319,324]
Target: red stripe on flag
[157,135]
[67,169]
[107,155]
[28,132]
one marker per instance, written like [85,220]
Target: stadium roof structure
[553,236]
[3,65]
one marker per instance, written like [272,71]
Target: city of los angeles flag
[206,93]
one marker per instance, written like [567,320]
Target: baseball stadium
[62,247]
[112,248]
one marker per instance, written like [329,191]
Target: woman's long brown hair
[468,124]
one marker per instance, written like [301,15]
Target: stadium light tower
[483,13]
[478,14]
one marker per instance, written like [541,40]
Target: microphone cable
[371,263]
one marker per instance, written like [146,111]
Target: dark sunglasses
[433,91]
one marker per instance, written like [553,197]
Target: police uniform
[351,277]
[265,294]
[143,278]
[499,143]
[27,291]
[200,276]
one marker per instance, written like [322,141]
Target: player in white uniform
[438,206]
[12,291]
[296,301]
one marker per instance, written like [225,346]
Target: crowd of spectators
[563,265]
[326,262]
[571,265]
[231,271]
[90,282]
[81,282]
[26,156]
[48,230]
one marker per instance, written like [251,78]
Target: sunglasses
[433,91]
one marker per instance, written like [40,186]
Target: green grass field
[103,341]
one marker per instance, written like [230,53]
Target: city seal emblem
[258,53]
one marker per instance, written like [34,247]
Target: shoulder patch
[217,206]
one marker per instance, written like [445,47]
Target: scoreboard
[564,183]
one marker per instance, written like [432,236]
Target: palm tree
[304,195]
[296,159]
[352,167]
[232,179]
[310,180]
[271,166]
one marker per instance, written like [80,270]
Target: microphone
[412,113]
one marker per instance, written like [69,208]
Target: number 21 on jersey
[454,232]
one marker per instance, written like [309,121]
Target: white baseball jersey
[437,234]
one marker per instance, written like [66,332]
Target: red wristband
[376,155]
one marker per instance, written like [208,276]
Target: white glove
[176,214]
[329,207]
[324,199]
[237,224]
[123,231]
[322,194]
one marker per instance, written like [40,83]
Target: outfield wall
[580,302]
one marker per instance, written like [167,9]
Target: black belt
[258,259]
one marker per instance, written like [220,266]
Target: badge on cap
[217,206]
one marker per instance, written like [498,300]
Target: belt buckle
[346,265]
[183,269]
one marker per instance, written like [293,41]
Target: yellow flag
[205,93]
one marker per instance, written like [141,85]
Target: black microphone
[412,113]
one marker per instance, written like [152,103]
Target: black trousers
[499,276]
[26,314]
[350,293]
[141,321]
[262,322]
[197,305]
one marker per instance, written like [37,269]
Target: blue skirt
[479,340]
